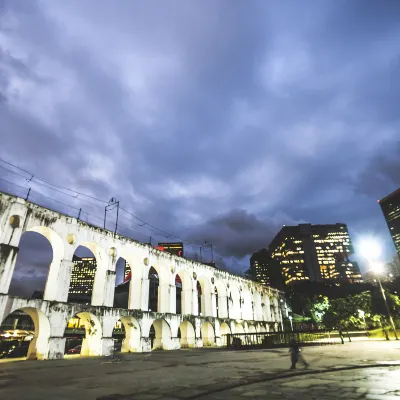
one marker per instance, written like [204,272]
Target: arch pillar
[56,348]
[9,241]
[166,298]
[58,280]
[213,305]
[138,294]
[8,258]
[222,306]
[187,300]
[104,279]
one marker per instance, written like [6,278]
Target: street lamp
[371,250]
[361,313]
[291,323]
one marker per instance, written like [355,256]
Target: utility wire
[75,194]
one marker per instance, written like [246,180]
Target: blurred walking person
[296,356]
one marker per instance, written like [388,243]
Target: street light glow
[378,267]
[370,249]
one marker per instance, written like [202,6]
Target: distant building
[393,267]
[390,206]
[315,253]
[172,247]
[127,272]
[264,269]
[82,279]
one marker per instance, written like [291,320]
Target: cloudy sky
[215,120]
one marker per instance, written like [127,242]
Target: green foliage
[345,312]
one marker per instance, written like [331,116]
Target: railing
[280,339]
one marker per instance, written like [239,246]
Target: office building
[264,269]
[175,248]
[315,253]
[82,279]
[390,206]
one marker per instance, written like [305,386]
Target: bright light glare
[378,267]
[370,249]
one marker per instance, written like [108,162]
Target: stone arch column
[257,306]
[247,306]
[139,283]
[12,228]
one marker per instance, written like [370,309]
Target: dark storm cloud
[213,121]
[238,233]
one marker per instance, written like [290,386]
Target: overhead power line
[30,177]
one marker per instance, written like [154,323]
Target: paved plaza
[360,370]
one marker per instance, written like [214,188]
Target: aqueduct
[227,303]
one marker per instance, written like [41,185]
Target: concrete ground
[364,370]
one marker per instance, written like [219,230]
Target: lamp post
[371,250]
[291,323]
[361,313]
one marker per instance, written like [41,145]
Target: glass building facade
[390,206]
[82,277]
[315,252]
[265,270]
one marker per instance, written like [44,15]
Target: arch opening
[199,298]
[160,335]
[224,330]
[29,277]
[122,283]
[178,294]
[83,335]
[207,334]
[154,283]
[127,335]
[186,335]
[239,328]
[216,301]
[25,333]
[84,267]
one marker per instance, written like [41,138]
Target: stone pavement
[368,370]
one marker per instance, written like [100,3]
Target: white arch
[188,336]
[239,328]
[39,345]
[58,273]
[91,344]
[132,340]
[207,334]
[163,339]
[103,287]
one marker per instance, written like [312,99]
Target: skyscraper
[315,252]
[82,278]
[390,206]
[264,269]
